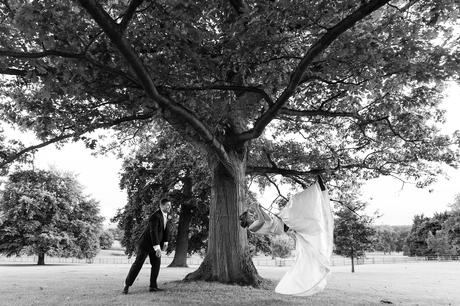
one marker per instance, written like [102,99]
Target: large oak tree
[294,88]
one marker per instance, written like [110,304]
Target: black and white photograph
[229,152]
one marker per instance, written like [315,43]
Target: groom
[153,240]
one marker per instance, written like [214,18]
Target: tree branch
[12,71]
[13,157]
[258,170]
[46,53]
[225,87]
[317,112]
[167,105]
[8,7]
[284,172]
[276,186]
[346,206]
[64,54]
[393,130]
[129,14]
[316,49]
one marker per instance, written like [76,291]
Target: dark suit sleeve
[154,224]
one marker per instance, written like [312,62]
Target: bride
[309,216]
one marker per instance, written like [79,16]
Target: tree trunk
[352,261]
[180,255]
[185,217]
[227,259]
[41,259]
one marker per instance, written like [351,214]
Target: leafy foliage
[385,240]
[375,88]
[159,170]
[352,233]
[116,232]
[455,206]
[438,235]
[389,239]
[45,212]
[451,228]
[281,246]
[106,239]
[420,231]
[438,244]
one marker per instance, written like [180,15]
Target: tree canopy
[46,213]
[359,80]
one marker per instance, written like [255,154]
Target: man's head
[165,205]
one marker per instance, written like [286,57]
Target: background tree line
[438,235]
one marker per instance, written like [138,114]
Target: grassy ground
[425,283]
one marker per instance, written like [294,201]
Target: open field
[117,256]
[424,283]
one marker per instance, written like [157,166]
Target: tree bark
[352,261]
[227,259]
[180,255]
[185,217]
[41,259]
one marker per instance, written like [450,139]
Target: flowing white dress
[308,213]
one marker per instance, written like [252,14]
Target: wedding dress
[308,213]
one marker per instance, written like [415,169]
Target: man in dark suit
[153,240]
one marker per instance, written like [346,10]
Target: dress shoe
[155,289]
[125,290]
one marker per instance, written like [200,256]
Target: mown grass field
[424,283]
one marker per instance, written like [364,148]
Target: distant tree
[353,234]
[106,239]
[385,239]
[259,244]
[438,244]
[455,206]
[116,232]
[401,235]
[281,246]
[46,213]
[422,226]
[451,227]
[416,240]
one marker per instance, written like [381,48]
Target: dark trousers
[139,262]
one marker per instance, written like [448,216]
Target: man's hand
[158,253]
[165,246]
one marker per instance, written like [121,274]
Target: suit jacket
[154,233]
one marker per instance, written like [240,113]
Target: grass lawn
[424,283]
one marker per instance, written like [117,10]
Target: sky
[396,203]
[99,175]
